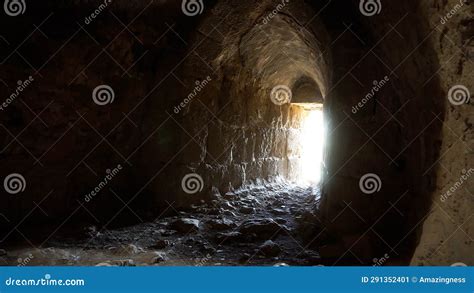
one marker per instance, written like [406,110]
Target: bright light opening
[312,142]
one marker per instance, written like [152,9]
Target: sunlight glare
[312,142]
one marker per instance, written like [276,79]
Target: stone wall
[192,95]
[449,227]
[187,98]
[250,135]
[402,134]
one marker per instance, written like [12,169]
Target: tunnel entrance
[311,143]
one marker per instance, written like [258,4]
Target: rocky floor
[256,225]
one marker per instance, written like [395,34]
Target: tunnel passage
[221,100]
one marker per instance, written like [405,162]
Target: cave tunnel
[226,132]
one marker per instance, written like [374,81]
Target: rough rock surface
[185,101]
[407,133]
[115,248]
[185,225]
[193,96]
[270,249]
[449,228]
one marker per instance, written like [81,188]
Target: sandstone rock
[123,263]
[207,249]
[228,206]
[245,258]
[160,257]
[117,263]
[228,237]
[278,211]
[281,221]
[261,229]
[129,249]
[103,264]
[160,244]
[270,249]
[192,241]
[165,232]
[244,33]
[247,210]
[229,213]
[186,225]
[220,224]
[230,195]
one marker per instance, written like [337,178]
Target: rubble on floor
[255,225]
